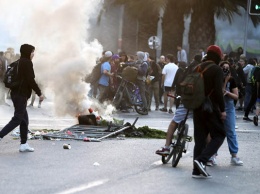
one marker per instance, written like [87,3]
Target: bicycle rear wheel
[166,158]
[180,144]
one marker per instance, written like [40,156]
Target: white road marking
[84,187]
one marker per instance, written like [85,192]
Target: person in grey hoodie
[142,65]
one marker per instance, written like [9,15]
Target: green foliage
[146,132]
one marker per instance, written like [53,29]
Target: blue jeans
[20,118]
[229,125]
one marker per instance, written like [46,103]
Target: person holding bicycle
[181,111]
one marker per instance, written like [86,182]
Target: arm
[233,94]
[30,78]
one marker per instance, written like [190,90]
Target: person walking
[20,96]
[205,122]
[230,92]
[168,74]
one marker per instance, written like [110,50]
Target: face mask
[225,71]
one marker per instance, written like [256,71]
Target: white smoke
[58,29]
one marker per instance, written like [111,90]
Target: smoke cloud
[59,30]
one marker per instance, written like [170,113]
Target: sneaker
[163,109]
[201,167]
[212,161]
[239,109]
[236,161]
[201,176]
[170,111]
[209,163]
[26,148]
[247,119]
[236,127]
[255,120]
[156,108]
[163,151]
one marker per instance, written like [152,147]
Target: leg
[19,114]
[156,94]
[141,86]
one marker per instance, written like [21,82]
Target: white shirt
[169,71]
[182,56]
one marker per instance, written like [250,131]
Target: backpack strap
[199,68]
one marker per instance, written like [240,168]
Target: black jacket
[26,74]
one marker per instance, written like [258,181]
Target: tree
[140,22]
[173,25]
[202,28]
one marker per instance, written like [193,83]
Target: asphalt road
[120,166]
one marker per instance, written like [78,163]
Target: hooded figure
[20,96]
[142,65]
[141,77]
[26,72]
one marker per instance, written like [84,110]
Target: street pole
[246,27]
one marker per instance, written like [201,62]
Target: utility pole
[246,27]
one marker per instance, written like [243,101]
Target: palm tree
[140,22]
[173,25]
[202,28]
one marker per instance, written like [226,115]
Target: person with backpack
[20,95]
[209,121]
[253,83]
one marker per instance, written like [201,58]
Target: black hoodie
[26,73]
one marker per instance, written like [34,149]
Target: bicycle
[178,146]
[131,93]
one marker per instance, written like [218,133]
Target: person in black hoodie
[21,94]
[206,123]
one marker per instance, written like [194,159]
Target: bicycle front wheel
[166,158]
[180,145]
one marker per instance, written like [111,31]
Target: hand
[41,98]
[223,116]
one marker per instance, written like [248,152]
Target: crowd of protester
[233,81]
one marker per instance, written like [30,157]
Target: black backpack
[95,74]
[11,79]
[192,88]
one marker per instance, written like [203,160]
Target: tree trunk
[172,28]
[136,32]
[129,33]
[147,28]
[202,30]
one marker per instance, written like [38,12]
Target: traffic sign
[154,42]
[254,7]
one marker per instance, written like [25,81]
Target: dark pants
[204,124]
[251,102]
[103,93]
[141,86]
[20,118]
